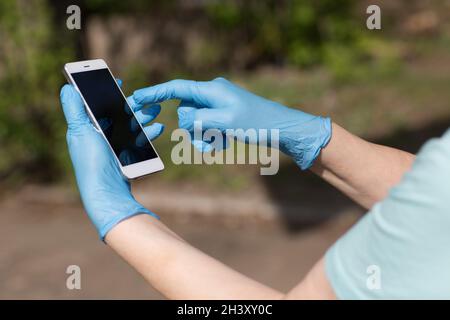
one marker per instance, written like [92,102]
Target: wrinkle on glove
[220,105]
[304,145]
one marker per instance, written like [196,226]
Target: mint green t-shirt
[401,248]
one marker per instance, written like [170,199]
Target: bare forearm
[362,170]
[175,268]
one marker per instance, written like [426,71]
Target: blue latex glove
[105,192]
[219,104]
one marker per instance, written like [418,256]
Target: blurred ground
[44,230]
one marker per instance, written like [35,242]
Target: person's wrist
[118,215]
[304,140]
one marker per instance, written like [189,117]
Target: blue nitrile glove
[219,104]
[105,192]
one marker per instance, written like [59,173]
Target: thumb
[190,118]
[73,108]
[208,118]
[211,119]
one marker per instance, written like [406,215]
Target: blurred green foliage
[244,34]
[234,38]
[303,33]
[31,126]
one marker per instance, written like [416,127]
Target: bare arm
[179,271]
[362,170]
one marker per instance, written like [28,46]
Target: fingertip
[131,103]
[186,117]
[73,107]
[156,128]
[138,95]
[152,132]
[201,146]
[65,90]
[161,126]
[69,96]
[220,79]
[182,111]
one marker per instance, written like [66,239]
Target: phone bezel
[132,171]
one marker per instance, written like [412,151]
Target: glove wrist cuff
[119,218]
[305,142]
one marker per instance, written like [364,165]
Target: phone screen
[110,109]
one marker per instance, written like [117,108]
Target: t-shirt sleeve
[400,249]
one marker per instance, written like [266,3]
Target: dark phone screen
[114,116]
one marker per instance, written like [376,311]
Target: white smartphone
[111,116]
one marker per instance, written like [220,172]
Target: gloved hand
[105,192]
[219,104]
